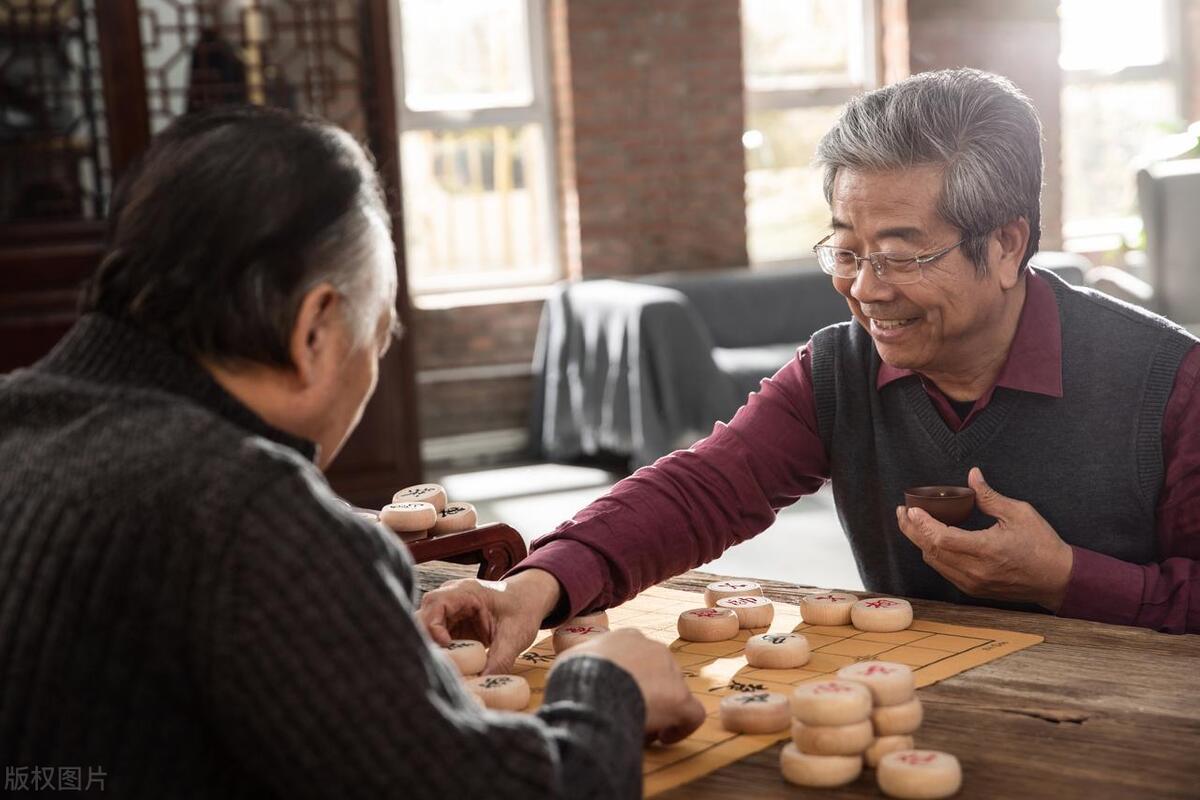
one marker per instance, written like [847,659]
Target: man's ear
[1008,248]
[312,334]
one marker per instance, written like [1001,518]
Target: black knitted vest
[1090,461]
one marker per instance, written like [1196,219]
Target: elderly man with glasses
[961,361]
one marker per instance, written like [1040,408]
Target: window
[475,145]
[803,60]
[1120,100]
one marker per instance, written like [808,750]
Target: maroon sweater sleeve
[691,505]
[1164,595]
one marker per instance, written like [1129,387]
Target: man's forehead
[893,204]
[884,230]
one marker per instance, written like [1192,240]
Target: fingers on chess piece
[718,590]
[831,702]
[888,682]
[804,769]
[468,655]
[408,517]
[919,774]
[833,740]
[567,636]
[881,614]
[431,493]
[455,518]
[501,692]
[898,719]
[884,745]
[827,608]
[753,611]
[707,624]
[778,650]
[755,712]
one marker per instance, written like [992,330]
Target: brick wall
[1018,39]
[473,366]
[651,110]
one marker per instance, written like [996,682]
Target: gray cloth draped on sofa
[641,367]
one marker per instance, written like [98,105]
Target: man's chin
[896,356]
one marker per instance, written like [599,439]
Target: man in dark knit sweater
[186,610]
[961,360]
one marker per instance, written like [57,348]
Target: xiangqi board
[713,670]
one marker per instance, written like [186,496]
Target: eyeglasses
[894,268]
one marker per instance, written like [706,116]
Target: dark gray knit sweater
[186,605]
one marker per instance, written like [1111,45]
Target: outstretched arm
[690,506]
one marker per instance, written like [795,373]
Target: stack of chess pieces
[423,510]
[866,715]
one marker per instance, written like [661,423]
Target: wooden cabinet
[83,87]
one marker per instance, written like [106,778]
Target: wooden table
[1096,711]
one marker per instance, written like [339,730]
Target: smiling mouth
[891,324]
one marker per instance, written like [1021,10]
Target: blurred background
[537,152]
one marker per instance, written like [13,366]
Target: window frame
[817,92]
[538,111]
[1103,233]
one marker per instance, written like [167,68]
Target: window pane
[786,211]
[475,56]
[800,42]
[1105,126]
[1112,34]
[476,207]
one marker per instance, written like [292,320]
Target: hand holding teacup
[1019,558]
[950,505]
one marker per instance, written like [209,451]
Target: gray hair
[229,220]
[341,254]
[980,126]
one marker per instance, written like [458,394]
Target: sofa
[638,368]
[1169,200]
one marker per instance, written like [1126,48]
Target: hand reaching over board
[505,615]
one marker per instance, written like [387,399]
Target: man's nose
[868,288]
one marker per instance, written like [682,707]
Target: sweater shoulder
[91,441]
[1105,310]
[835,348]
[198,448]
[839,346]
[1103,333]
[834,339]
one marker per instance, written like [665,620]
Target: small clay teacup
[949,505]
